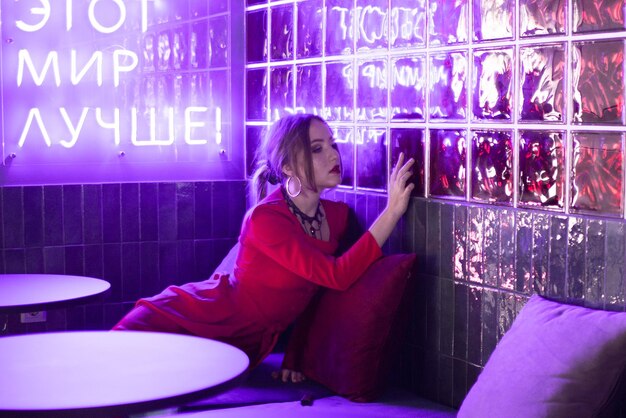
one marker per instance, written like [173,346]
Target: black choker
[313,224]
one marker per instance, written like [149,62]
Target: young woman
[286,248]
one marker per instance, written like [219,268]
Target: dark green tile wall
[141,237]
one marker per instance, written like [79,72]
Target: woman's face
[325,157]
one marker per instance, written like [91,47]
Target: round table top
[89,373]
[34,292]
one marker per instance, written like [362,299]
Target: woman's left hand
[399,190]
[287,375]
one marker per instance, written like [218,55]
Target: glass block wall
[512,103]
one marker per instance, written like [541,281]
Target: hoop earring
[292,195]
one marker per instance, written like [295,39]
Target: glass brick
[198,8]
[411,142]
[448,157]
[255,2]
[597,172]
[339,104]
[310,30]
[447,22]
[541,169]
[256,94]
[541,83]
[493,19]
[372,30]
[408,23]
[372,90]
[598,82]
[408,81]
[164,51]
[493,89]
[282,33]
[598,15]
[492,166]
[216,7]
[344,138]
[198,45]
[257,45]
[448,90]
[254,137]
[309,88]
[149,50]
[542,17]
[218,42]
[339,27]
[281,92]
[180,48]
[371,158]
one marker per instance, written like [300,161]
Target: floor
[396,404]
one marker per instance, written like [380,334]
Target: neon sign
[80,85]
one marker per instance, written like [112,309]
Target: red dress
[277,271]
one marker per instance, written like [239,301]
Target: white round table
[37,292]
[111,373]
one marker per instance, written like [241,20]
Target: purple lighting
[85,83]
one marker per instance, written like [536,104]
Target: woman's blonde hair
[284,141]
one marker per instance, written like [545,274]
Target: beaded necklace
[312,224]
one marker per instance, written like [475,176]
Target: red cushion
[346,342]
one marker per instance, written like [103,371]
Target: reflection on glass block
[339,104]
[180,52]
[598,82]
[344,138]
[256,46]
[218,42]
[448,90]
[198,8]
[281,92]
[198,46]
[493,72]
[542,17]
[598,15]
[408,23]
[216,7]
[372,21]
[309,89]
[408,79]
[493,19]
[310,16]
[254,137]
[371,158]
[448,22]
[218,91]
[339,27]
[411,142]
[256,94]
[492,166]
[148,52]
[541,169]
[282,33]
[164,51]
[541,78]
[372,90]
[448,153]
[597,167]
[198,89]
